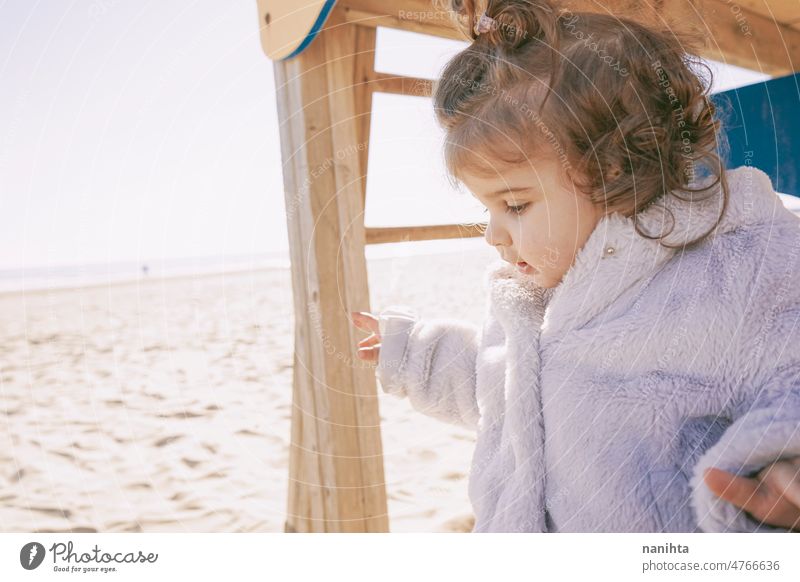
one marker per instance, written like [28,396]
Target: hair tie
[484,24]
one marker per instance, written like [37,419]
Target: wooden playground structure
[323,54]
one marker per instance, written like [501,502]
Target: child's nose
[495,237]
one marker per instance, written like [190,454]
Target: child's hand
[369,348]
[772,497]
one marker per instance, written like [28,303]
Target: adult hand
[771,497]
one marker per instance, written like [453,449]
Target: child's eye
[518,209]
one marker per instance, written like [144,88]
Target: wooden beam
[371,14]
[380,235]
[784,11]
[750,40]
[400,85]
[413,15]
[336,475]
[735,34]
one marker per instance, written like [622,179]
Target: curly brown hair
[624,106]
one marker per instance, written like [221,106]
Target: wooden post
[336,477]
[362,94]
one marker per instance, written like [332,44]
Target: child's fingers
[370,341]
[371,354]
[369,347]
[785,478]
[366,321]
[740,491]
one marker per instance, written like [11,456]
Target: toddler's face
[536,216]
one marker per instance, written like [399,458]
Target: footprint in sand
[459,524]
[184,414]
[453,476]
[55,511]
[248,432]
[191,463]
[191,506]
[214,475]
[424,454]
[124,527]
[15,477]
[167,440]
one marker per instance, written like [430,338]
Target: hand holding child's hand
[370,347]
[772,497]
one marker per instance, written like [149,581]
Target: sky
[134,131]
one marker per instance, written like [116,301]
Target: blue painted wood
[312,34]
[762,125]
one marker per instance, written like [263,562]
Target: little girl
[638,368]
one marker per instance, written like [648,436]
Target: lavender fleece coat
[599,403]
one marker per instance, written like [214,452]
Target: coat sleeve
[432,363]
[766,428]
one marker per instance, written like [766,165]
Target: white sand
[165,405]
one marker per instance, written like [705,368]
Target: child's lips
[524,267]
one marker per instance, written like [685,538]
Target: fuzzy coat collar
[598,276]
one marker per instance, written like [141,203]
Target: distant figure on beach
[145,270]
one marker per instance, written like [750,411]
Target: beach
[163,405]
